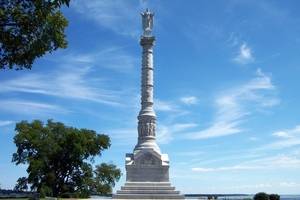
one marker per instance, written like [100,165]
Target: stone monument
[147,169]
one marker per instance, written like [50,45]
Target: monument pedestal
[147,177]
[147,166]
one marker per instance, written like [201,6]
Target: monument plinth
[147,169]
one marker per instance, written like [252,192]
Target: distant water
[282,197]
[244,197]
[290,197]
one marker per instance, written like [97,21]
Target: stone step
[154,184]
[149,196]
[147,192]
[147,188]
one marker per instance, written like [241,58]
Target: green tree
[261,196]
[29,29]
[104,180]
[58,159]
[274,197]
[21,184]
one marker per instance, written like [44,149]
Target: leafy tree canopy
[261,196]
[29,29]
[58,160]
[21,184]
[265,196]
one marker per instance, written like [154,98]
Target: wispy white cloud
[5,122]
[274,162]
[227,157]
[64,84]
[244,55]
[233,39]
[286,138]
[235,104]
[165,106]
[123,136]
[30,107]
[289,184]
[183,126]
[218,129]
[282,144]
[174,110]
[119,16]
[253,186]
[113,58]
[281,134]
[165,133]
[288,133]
[190,153]
[253,138]
[189,100]
[218,169]
[75,79]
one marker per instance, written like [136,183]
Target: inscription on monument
[148,160]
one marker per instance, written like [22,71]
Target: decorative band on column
[145,41]
[146,127]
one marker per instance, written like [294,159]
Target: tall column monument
[147,169]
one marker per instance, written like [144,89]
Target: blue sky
[226,90]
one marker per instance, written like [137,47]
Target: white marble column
[147,117]
[147,169]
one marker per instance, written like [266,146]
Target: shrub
[261,196]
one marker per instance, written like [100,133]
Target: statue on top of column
[147,22]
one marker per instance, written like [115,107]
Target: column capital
[147,40]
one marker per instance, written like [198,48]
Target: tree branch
[9,24]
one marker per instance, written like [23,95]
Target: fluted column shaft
[147,77]
[147,117]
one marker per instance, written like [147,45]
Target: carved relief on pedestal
[146,128]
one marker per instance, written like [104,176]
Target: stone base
[147,166]
[147,176]
[147,190]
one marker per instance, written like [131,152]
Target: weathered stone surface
[147,165]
